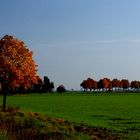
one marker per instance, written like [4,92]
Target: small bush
[61,89]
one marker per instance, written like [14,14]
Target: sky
[76,39]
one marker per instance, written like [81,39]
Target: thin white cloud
[137,41]
[73,43]
[105,41]
[134,41]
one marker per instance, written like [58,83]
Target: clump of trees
[107,84]
[47,85]
[44,85]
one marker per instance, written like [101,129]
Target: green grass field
[119,112]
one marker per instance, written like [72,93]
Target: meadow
[115,111]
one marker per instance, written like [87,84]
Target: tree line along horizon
[106,84]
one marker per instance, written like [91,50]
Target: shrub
[61,89]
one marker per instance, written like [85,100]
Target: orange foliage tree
[135,85]
[84,85]
[104,83]
[124,84]
[89,84]
[92,84]
[115,84]
[17,68]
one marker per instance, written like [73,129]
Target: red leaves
[124,83]
[89,84]
[108,85]
[135,84]
[17,66]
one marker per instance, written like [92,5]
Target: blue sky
[76,39]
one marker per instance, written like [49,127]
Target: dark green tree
[61,89]
[47,85]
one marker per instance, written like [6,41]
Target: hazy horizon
[76,39]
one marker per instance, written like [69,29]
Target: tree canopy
[105,84]
[17,67]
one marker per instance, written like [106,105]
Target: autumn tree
[94,84]
[135,85]
[89,84]
[104,84]
[124,84]
[84,85]
[115,84]
[100,84]
[17,67]
[107,83]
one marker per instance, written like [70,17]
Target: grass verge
[18,125]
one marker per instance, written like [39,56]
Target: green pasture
[120,111]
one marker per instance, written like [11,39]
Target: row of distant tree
[46,85]
[41,86]
[107,84]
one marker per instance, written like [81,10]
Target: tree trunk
[4,101]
